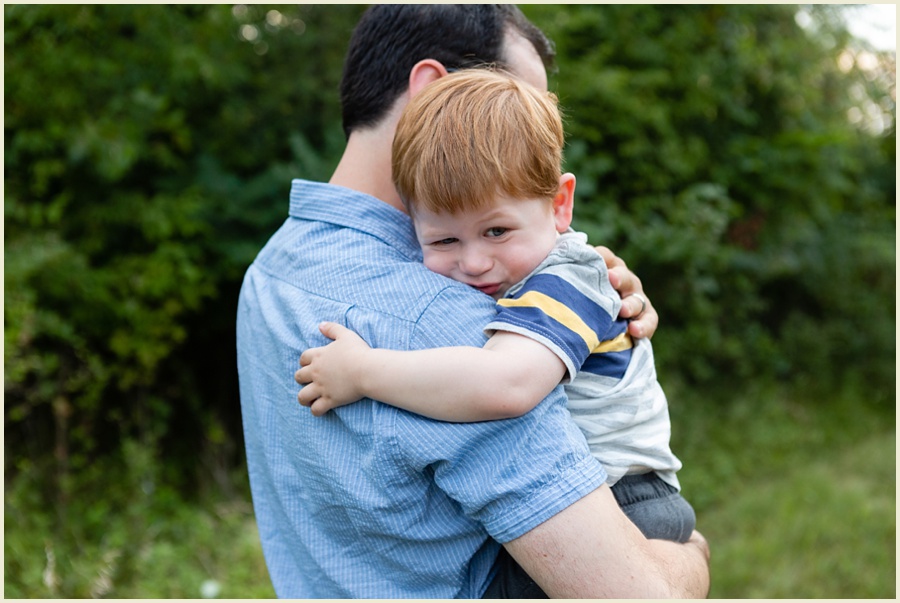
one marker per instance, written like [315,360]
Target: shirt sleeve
[509,475]
[562,308]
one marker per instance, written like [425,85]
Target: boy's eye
[497,231]
[447,241]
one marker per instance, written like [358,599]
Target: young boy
[476,159]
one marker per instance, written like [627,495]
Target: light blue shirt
[370,501]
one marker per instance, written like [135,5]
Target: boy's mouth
[488,289]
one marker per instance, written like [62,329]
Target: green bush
[714,153]
[149,152]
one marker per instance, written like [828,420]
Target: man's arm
[591,550]
[644,319]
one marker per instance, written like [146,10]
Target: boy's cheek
[434,263]
[428,260]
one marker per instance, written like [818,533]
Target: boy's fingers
[333,330]
[318,408]
[307,396]
[330,329]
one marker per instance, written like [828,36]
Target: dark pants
[655,507]
[511,581]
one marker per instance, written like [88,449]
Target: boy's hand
[329,372]
[635,304]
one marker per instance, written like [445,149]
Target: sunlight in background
[875,26]
[875,23]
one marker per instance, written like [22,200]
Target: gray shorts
[655,507]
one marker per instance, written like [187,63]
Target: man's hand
[329,373]
[635,304]
[698,540]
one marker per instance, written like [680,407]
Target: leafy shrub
[714,153]
[149,152]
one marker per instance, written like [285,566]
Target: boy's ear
[564,202]
[423,73]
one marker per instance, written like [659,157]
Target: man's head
[391,38]
[476,160]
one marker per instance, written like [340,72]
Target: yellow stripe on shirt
[620,343]
[558,312]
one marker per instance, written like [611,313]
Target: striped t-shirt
[568,304]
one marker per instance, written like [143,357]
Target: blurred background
[740,158]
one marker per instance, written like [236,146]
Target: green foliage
[722,150]
[714,153]
[149,150]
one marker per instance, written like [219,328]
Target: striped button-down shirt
[370,501]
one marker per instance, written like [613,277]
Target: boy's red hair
[472,135]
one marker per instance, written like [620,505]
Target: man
[373,502]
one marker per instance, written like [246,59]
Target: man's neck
[365,165]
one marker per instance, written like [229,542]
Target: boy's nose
[474,263]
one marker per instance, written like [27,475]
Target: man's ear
[564,202]
[423,73]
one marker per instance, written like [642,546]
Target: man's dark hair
[391,38]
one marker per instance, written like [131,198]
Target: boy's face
[493,248]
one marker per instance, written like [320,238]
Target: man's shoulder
[428,310]
[454,315]
[378,287]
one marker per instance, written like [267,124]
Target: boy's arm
[506,378]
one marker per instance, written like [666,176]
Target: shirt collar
[348,208]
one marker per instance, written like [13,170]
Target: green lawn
[825,530]
[160,547]
[797,499]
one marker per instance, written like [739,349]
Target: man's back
[370,501]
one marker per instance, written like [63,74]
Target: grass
[797,496]
[122,534]
[822,531]
[214,550]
